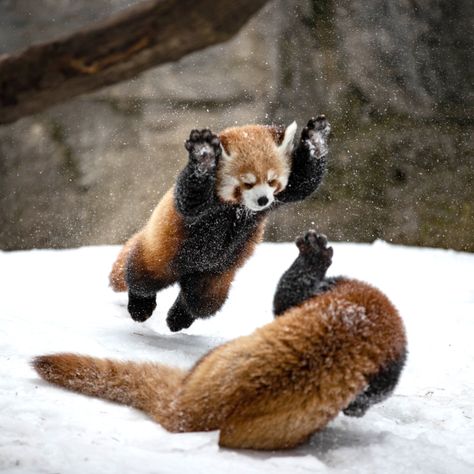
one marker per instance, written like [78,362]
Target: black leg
[179,316]
[142,291]
[380,387]
[196,183]
[139,307]
[202,295]
[306,276]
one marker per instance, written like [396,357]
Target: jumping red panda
[207,225]
[336,344]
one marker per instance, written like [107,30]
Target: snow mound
[54,301]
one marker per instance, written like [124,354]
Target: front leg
[195,187]
[307,275]
[308,161]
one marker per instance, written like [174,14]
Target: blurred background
[394,78]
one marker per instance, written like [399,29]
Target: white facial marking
[227,188]
[248,178]
[259,197]
[271,175]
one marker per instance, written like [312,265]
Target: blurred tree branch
[143,36]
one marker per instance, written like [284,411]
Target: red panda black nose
[262,200]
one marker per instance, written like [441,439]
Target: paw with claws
[204,149]
[315,136]
[314,248]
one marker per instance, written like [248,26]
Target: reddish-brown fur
[254,150]
[154,247]
[269,390]
[117,275]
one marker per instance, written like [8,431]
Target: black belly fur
[215,240]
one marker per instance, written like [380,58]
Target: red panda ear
[287,142]
[277,132]
[224,148]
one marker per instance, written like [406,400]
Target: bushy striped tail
[147,386]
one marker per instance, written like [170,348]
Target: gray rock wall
[392,76]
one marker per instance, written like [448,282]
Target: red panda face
[255,164]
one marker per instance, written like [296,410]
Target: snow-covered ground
[59,301]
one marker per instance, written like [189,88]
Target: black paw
[204,149]
[315,136]
[178,318]
[141,309]
[315,247]
[355,410]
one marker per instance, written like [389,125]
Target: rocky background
[395,79]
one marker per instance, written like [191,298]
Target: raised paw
[314,246]
[204,149]
[315,136]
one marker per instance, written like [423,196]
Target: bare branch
[146,35]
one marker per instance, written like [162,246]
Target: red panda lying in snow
[337,344]
[207,225]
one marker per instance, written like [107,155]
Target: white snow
[59,301]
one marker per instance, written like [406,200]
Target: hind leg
[142,290]
[141,279]
[142,298]
[307,275]
[202,295]
[140,307]
[179,316]
[380,387]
